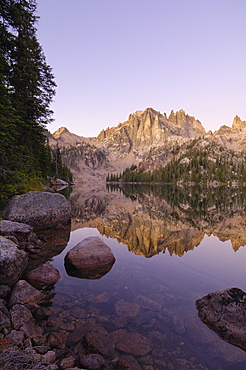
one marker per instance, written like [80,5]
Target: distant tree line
[195,166]
[27,88]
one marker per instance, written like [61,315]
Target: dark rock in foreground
[91,258]
[39,209]
[225,312]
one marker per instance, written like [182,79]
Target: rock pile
[21,303]
[27,337]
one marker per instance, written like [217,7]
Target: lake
[172,247]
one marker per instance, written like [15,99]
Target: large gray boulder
[91,258]
[12,261]
[39,209]
[224,312]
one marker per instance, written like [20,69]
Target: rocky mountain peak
[178,117]
[238,123]
[57,134]
[148,128]
[63,137]
[148,137]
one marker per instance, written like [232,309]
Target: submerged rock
[91,258]
[12,261]
[39,209]
[92,361]
[93,344]
[127,309]
[134,344]
[225,312]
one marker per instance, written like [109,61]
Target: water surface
[167,257]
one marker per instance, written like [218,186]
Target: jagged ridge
[148,128]
[149,137]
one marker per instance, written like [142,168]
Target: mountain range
[148,139]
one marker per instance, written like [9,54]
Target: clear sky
[113,57]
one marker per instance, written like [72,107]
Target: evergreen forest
[210,166]
[27,88]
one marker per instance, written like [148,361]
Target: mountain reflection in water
[143,309]
[153,219]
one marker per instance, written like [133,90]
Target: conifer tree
[27,88]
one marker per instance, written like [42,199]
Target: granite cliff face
[232,138]
[148,128]
[238,124]
[147,137]
[130,142]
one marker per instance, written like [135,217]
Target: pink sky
[113,57]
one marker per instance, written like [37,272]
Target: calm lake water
[167,257]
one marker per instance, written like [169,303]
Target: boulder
[49,357]
[92,361]
[16,337]
[126,309]
[224,312]
[55,340]
[12,261]
[133,343]
[5,291]
[24,293]
[20,315]
[127,362]
[93,344]
[91,258]
[41,313]
[4,317]
[20,231]
[39,209]
[45,275]
[68,362]
[31,330]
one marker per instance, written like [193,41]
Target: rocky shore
[23,297]
[26,281]
[27,339]
[34,334]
